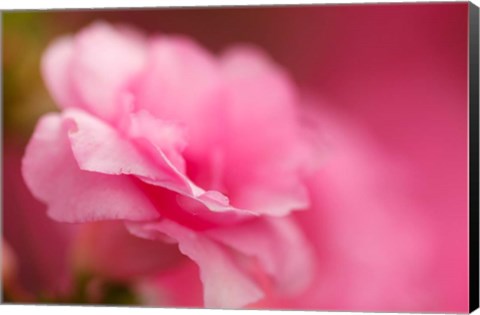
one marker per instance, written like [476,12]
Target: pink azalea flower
[180,146]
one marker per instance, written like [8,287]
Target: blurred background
[398,70]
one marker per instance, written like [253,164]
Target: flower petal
[279,245]
[50,170]
[183,84]
[99,148]
[262,165]
[225,285]
[106,60]
[55,66]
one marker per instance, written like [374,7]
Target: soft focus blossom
[373,243]
[184,170]
[182,147]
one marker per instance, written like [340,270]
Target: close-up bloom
[182,147]
[223,158]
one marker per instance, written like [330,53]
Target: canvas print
[296,158]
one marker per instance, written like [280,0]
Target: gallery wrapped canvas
[296,158]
